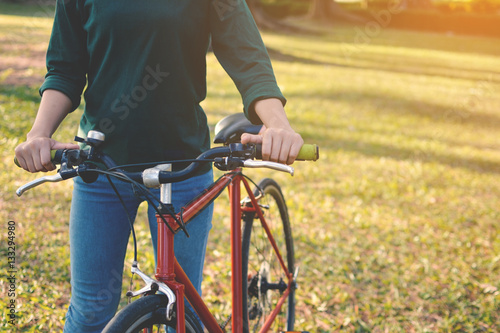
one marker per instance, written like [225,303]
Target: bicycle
[263,274]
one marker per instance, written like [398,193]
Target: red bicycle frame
[170,272]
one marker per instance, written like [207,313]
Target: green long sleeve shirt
[144,65]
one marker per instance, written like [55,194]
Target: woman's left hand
[280,143]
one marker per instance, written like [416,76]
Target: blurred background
[397,225]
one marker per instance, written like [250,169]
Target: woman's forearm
[54,107]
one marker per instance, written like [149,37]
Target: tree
[326,10]
[264,21]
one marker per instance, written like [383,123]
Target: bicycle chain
[223,326]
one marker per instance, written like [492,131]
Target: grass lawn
[396,226]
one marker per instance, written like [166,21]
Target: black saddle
[229,129]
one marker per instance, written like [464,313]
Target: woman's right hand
[34,154]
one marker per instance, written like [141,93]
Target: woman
[145,70]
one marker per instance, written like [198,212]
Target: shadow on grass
[21,92]
[402,106]
[277,55]
[400,65]
[378,150]
[421,66]
[424,156]
[442,42]
[17,110]
[325,133]
[39,8]
[361,35]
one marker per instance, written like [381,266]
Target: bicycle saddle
[229,129]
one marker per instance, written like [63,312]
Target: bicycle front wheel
[266,279]
[148,314]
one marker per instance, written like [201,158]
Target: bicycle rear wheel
[148,314]
[266,279]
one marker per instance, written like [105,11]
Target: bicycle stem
[166,189]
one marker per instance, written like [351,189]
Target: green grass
[396,226]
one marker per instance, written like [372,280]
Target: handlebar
[78,162]
[308,152]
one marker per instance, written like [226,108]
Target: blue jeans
[99,233]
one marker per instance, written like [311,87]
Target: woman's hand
[34,154]
[280,143]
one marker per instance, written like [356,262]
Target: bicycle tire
[148,314]
[260,263]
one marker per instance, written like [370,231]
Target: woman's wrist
[33,134]
[272,113]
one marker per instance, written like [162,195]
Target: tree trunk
[320,10]
[264,21]
[326,10]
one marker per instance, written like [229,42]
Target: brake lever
[62,174]
[269,165]
[46,179]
